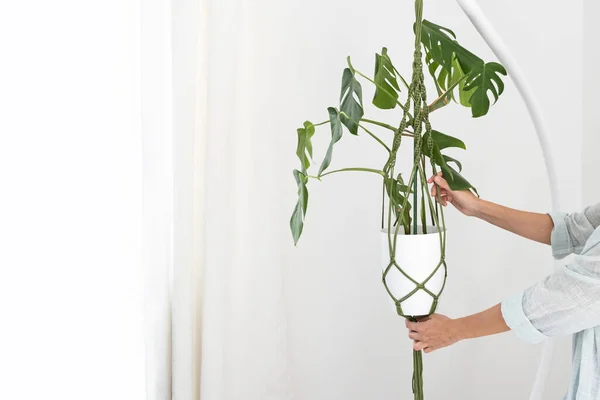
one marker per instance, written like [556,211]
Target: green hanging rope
[417,95]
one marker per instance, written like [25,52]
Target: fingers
[413,326]
[418,346]
[441,186]
[444,198]
[430,180]
[439,180]
[414,335]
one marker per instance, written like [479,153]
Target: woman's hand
[433,332]
[437,331]
[464,201]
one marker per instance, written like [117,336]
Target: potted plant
[413,229]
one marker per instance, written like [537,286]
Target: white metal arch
[489,34]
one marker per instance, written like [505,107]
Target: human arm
[563,303]
[438,331]
[570,236]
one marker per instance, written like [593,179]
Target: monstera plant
[413,228]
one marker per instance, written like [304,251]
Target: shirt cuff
[517,321]
[559,239]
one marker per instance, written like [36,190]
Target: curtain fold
[188,198]
[244,352]
[157,147]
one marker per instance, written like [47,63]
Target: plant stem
[401,77]
[444,98]
[321,123]
[375,171]
[376,138]
[382,124]
[406,132]
[381,142]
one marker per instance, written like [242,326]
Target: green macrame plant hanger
[417,98]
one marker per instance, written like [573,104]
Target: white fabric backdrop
[244,348]
[157,128]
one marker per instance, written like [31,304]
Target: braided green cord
[417,95]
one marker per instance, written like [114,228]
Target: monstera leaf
[481,80]
[336,135]
[451,64]
[351,104]
[304,149]
[297,220]
[449,159]
[397,192]
[442,141]
[386,92]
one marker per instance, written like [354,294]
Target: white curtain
[219,331]
[244,347]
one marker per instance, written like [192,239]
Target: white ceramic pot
[418,256]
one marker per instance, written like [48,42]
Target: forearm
[485,323]
[529,225]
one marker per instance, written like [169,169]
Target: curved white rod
[489,34]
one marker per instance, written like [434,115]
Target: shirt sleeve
[563,303]
[572,231]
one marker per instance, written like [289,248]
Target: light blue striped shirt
[567,302]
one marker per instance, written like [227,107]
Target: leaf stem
[375,171]
[444,98]
[382,124]
[376,138]
[369,132]
[406,132]
[401,77]
[321,123]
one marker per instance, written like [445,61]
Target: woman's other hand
[464,200]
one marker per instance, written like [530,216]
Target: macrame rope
[417,95]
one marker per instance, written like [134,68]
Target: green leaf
[459,76]
[304,149]
[442,141]
[351,103]
[483,79]
[433,67]
[397,191]
[457,182]
[386,91]
[336,135]
[449,62]
[449,159]
[443,49]
[446,96]
[454,178]
[297,219]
